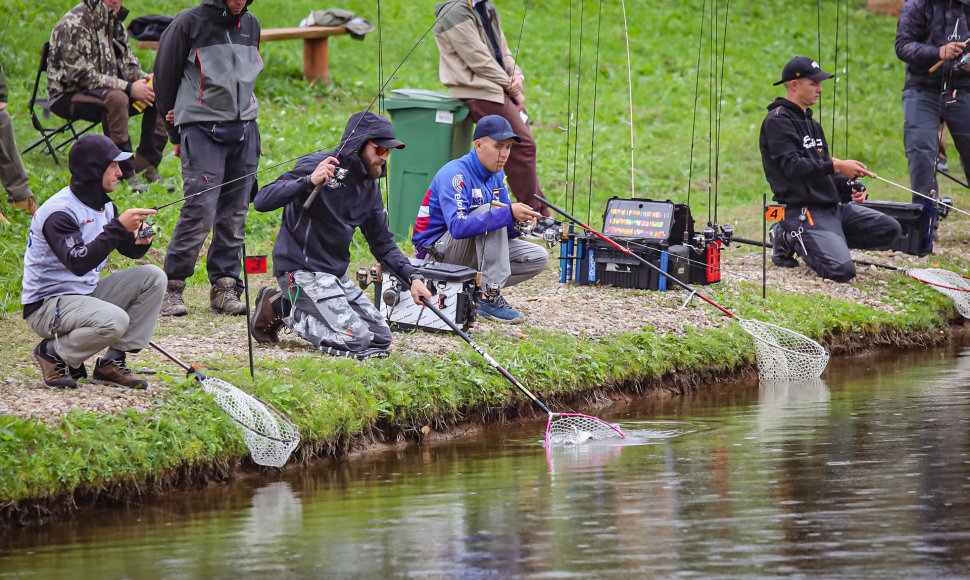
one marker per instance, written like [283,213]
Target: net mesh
[948,282]
[576,428]
[269,435]
[785,355]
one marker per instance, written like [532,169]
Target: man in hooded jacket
[205,74]
[312,252]
[824,215]
[929,31]
[66,301]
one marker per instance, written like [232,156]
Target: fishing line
[592,129]
[697,83]
[569,103]
[720,96]
[934,200]
[579,86]
[629,80]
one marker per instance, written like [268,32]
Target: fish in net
[954,285]
[783,354]
[269,435]
[576,429]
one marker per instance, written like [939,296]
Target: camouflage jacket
[90,50]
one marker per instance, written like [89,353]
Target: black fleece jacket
[318,239]
[924,26]
[796,158]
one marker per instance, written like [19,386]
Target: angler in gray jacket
[205,74]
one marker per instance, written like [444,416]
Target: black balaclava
[88,160]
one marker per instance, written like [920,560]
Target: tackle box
[913,222]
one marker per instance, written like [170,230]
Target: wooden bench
[316,63]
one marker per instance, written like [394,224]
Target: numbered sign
[255,264]
[774,213]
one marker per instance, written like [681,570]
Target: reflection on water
[862,475]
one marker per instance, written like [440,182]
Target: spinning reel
[337,181]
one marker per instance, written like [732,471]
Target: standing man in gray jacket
[205,73]
[477,66]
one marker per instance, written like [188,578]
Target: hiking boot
[224,298]
[28,206]
[151,175]
[499,311]
[116,372]
[782,251]
[53,368]
[78,373]
[172,304]
[267,316]
[135,184]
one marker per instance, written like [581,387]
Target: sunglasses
[380,150]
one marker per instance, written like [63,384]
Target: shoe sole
[36,358]
[518,320]
[111,383]
[259,308]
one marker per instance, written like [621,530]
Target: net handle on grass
[626,251]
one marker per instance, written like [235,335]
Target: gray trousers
[500,260]
[923,111]
[226,171]
[333,312]
[120,313]
[12,172]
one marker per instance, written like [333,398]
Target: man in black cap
[318,301]
[823,198]
[66,301]
[467,218]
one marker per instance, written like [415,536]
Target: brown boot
[267,317]
[172,304]
[223,297]
[53,368]
[116,372]
[28,205]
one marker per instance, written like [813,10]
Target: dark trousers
[225,170]
[521,166]
[824,237]
[112,107]
[923,111]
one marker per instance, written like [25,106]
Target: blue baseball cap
[496,127]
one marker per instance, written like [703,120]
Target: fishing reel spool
[337,181]
[145,233]
[367,277]
[962,62]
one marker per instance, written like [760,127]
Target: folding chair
[50,134]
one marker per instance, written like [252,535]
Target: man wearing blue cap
[469,219]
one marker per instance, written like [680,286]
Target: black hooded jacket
[924,26]
[796,158]
[318,239]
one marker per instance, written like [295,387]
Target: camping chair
[49,134]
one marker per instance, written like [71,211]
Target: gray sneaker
[151,175]
[172,304]
[136,184]
[224,298]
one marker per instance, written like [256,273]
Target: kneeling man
[468,218]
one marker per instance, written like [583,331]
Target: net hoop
[783,354]
[577,428]
[269,435]
[954,285]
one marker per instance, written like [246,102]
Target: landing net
[948,282]
[268,434]
[785,355]
[576,429]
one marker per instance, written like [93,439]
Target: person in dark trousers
[318,301]
[467,218]
[13,175]
[205,73]
[66,301]
[476,65]
[929,31]
[92,73]
[824,215]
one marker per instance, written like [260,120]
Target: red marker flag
[255,264]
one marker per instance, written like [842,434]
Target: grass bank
[183,438]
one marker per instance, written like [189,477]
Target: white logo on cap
[814,64]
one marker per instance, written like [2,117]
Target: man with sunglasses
[316,299]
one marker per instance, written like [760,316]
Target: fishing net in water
[576,428]
[948,282]
[268,434]
[785,355]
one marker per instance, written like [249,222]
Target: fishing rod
[950,177]
[924,196]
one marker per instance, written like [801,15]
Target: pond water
[863,475]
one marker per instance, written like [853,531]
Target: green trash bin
[436,129]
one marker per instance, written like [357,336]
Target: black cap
[802,67]
[388,143]
[496,127]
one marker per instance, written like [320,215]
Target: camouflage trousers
[333,314]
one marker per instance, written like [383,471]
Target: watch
[416,276]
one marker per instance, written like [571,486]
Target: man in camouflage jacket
[93,74]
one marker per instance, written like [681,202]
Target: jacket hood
[88,160]
[362,127]
[219,13]
[783,102]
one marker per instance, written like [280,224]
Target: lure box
[601,263]
[454,291]
[913,222]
